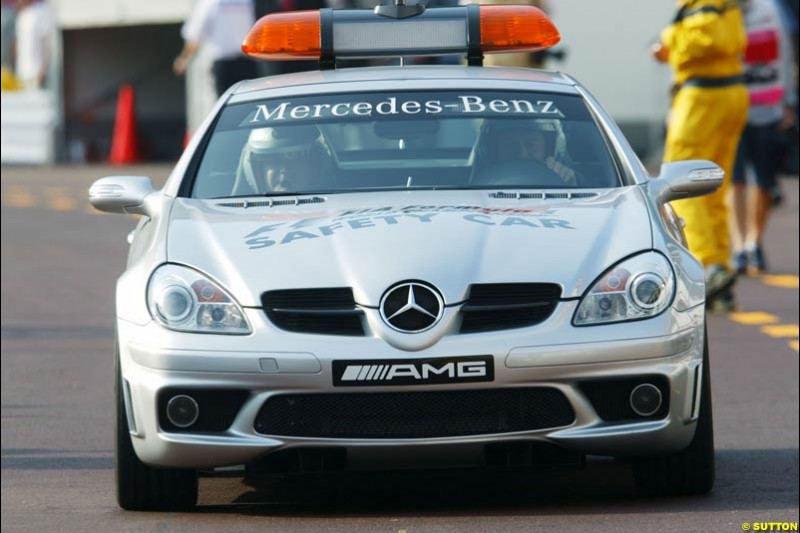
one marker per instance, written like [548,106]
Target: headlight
[640,287]
[182,299]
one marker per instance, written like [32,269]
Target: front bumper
[552,354]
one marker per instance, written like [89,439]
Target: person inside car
[537,142]
[507,144]
[283,159]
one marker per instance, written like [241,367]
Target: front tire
[690,471]
[141,487]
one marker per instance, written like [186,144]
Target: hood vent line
[569,195]
[246,204]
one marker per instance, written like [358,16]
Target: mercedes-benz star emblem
[411,307]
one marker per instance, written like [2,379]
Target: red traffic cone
[125,142]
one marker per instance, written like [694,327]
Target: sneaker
[756,260]
[740,262]
[718,279]
[723,303]
[777,196]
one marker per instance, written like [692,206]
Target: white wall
[74,14]
[28,120]
[607,44]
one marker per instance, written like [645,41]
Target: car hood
[370,241]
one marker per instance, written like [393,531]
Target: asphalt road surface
[59,265]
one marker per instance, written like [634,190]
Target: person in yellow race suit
[704,46]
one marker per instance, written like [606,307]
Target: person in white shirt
[33,28]
[221,25]
[769,73]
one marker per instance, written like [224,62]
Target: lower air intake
[414,415]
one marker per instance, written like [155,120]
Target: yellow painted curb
[754,318]
[784,281]
[782,330]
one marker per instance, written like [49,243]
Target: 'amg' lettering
[403,371]
[428,369]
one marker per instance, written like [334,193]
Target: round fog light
[182,411]
[645,399]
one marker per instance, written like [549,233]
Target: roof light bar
[287,35]
[472,30]
[515,28]
[398,9]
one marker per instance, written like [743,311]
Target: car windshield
[407,140]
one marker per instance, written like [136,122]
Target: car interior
[446,154]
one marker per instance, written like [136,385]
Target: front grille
[414,415]
[217,408]
[330,311]
[498,306]
[611,397]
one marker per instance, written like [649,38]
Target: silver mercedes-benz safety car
[408,266]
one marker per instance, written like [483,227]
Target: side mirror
[685,179]
[132,195]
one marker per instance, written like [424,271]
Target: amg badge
[413,372]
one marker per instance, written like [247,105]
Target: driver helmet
[285,142]
[274,150]
[508,140]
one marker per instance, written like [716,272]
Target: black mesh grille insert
[322,311]
[216,408]
[498,306]
[414,415]
[611,397]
